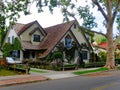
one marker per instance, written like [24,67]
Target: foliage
[90,71]
[94,64]
[57,55]
[38,71]
[9,12]
[99,38]
[6,72]
[17,44]
[7,49]
[87,16]
[102,55]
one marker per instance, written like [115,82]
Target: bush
[117,61]
[102,55]
[94,64]
[57,55]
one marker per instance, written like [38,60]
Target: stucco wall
[25,36]
[11,34]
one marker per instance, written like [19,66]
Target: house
[38,42]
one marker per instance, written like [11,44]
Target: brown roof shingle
[54,34]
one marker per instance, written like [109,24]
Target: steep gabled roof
[54,35]
[20,28]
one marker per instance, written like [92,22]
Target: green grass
[38,71]
[5,72]
[90,71]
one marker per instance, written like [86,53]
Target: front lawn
[90,71]
[38,71]
[5,72]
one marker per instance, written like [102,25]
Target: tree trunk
[110,62]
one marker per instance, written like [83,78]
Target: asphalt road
[109,81]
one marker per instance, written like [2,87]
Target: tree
[108,8]
[9,12]
[110,11]
[7,49]
[17,44]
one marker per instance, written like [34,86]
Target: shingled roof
[53,35]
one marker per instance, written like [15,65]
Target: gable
[10,36]
[54,35]
[35,28]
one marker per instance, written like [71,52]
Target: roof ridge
[26,26]
[60,24]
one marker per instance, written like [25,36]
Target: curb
[23,80]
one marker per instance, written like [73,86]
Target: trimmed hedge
[94,64]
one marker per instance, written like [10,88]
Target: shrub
[102,55]
[57,55]
[94,64]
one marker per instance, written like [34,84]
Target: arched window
[68,41]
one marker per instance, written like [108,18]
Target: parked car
[11,60]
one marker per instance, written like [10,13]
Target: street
[109,81]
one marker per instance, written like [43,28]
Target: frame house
[38,42]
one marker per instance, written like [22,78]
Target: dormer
[32,33]
[36,36]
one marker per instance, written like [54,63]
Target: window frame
[85,55]
[68,41]
[36,38]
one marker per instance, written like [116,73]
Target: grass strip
[38,71]
[5,72]
[90,71]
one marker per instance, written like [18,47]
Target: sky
[45,18]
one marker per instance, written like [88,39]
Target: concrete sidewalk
[36,77]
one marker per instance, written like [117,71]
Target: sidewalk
[20,79]
[35,77]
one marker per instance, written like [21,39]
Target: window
[85,55]
[12,39]
[26,54]
[68,42]
[75,26]
[16,53]
[8,39]
[36,38]
[33,54]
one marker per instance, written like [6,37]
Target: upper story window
[12,39]
[68,41]
[8,39]
[36,38]
[75,26]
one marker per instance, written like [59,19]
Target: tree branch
[93,31]
[100,9]
[116,10]
[109,9]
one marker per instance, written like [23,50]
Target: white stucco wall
[77,33]
[10,35]
[25,36]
